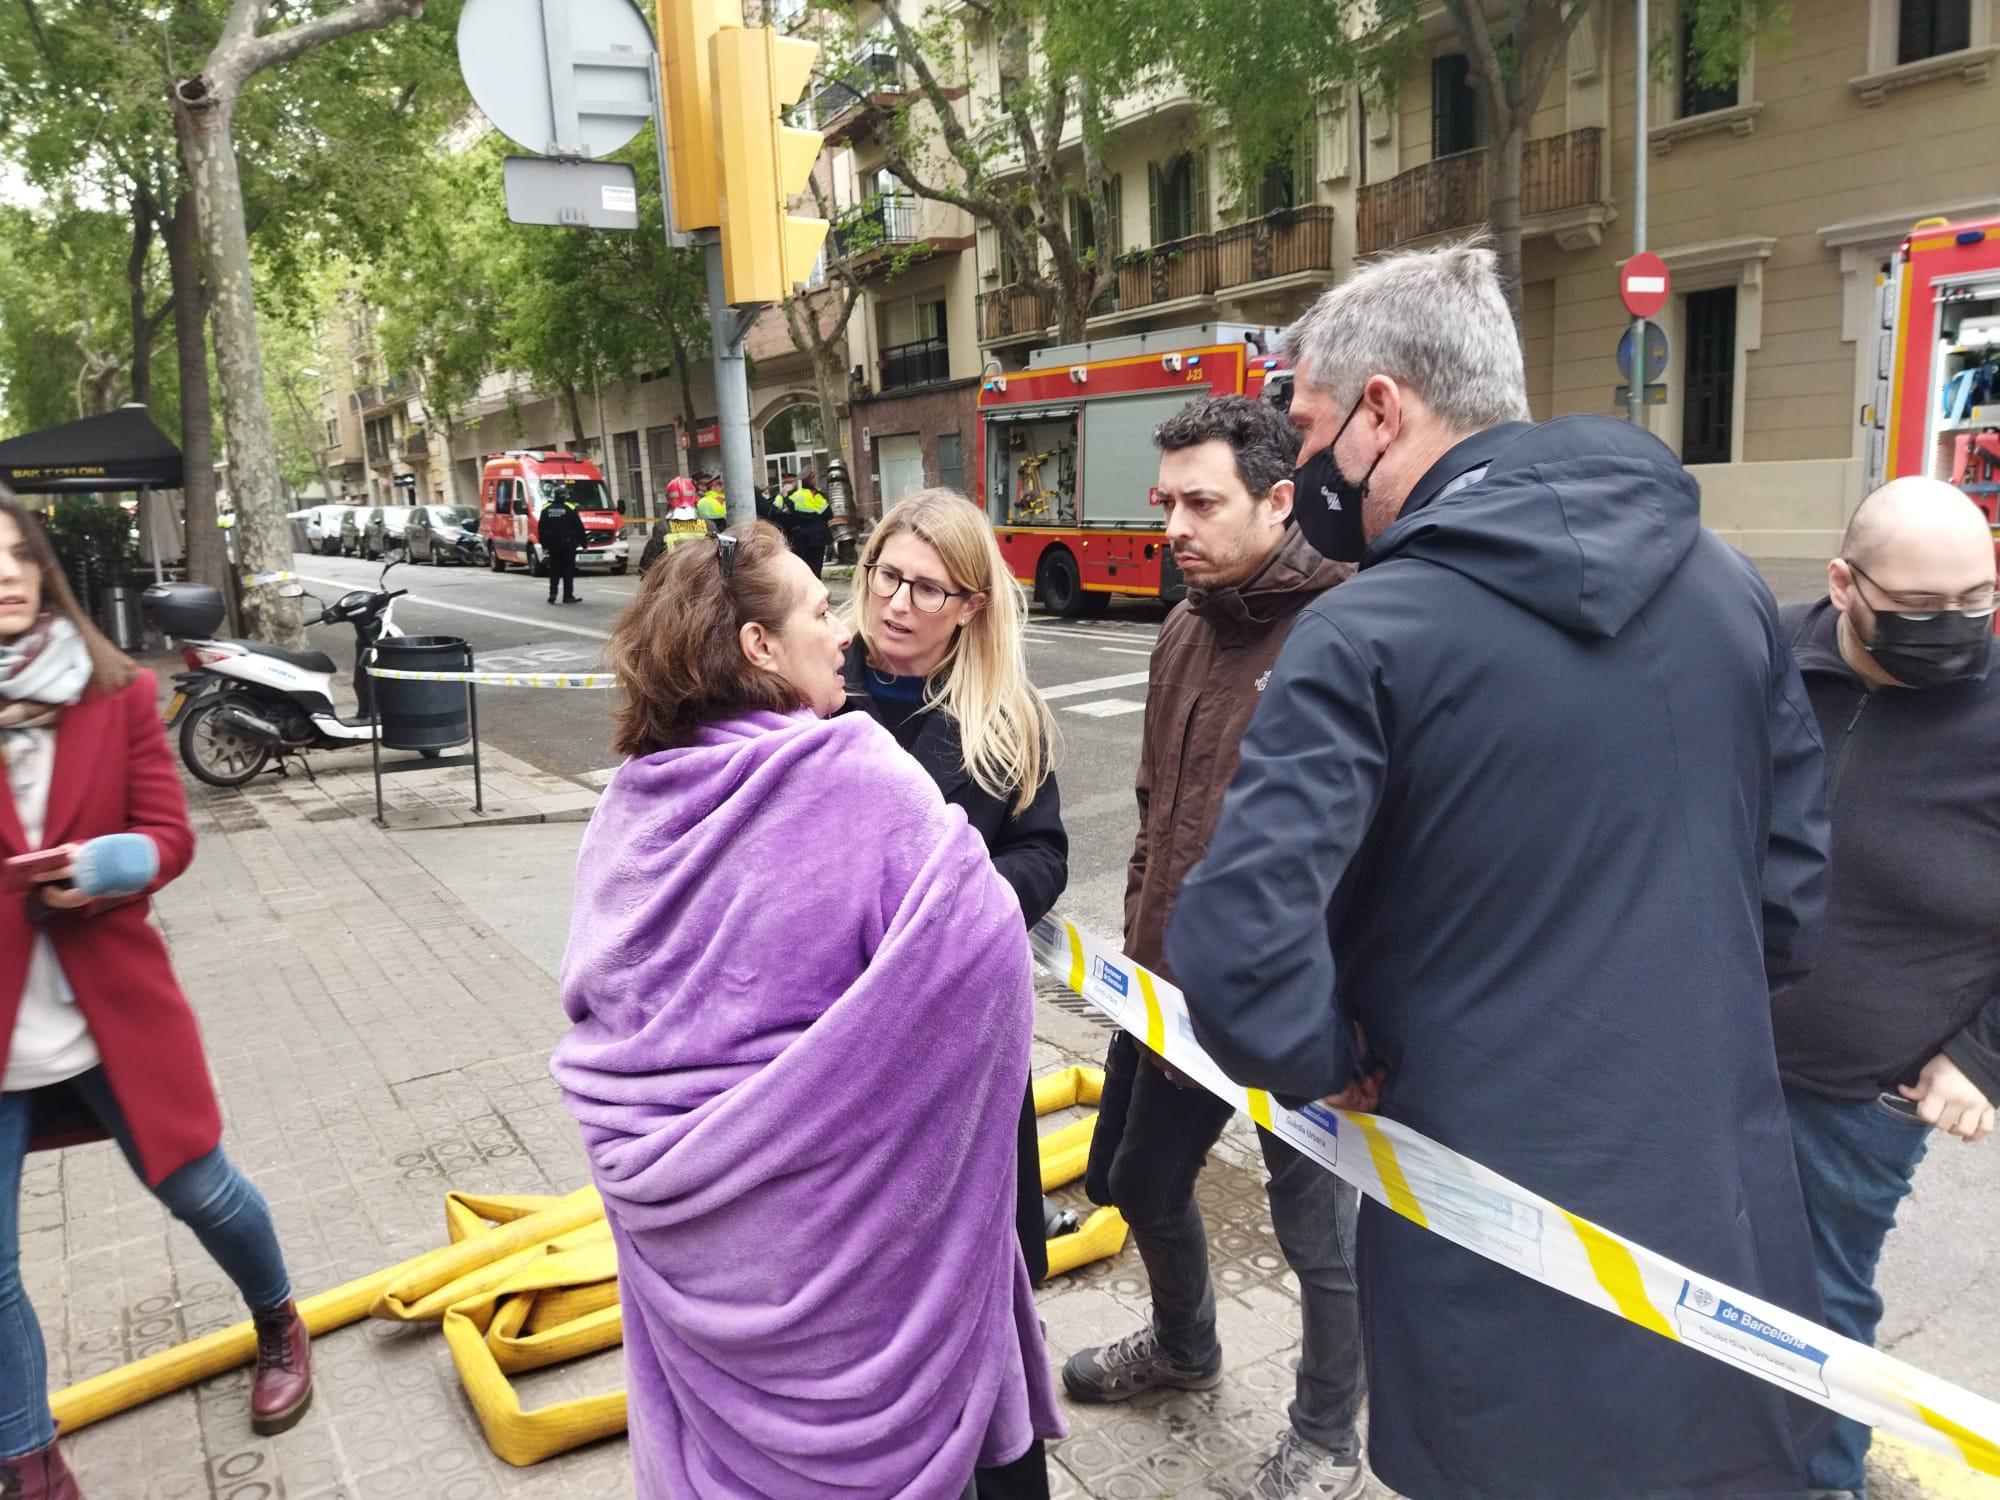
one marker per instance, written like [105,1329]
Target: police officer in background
[560,531]
[807,528]
[714,510]
[1895,1034]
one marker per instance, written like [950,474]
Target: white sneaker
[1302,1470]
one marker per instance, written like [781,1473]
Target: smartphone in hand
[21,871]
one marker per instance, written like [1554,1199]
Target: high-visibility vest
[808,502]
[711,507]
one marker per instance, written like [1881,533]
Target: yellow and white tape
[258,580]
[507,679]
[1453,1196]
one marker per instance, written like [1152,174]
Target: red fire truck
[1936,406]
[1066,458]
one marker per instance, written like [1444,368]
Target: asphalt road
[1941,1275]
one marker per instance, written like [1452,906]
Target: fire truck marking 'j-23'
[1066,461]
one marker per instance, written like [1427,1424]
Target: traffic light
[766,249]
[687,64]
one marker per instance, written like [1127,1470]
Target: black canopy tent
[121,450]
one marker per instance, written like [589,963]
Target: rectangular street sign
[573,194]
[1621,397]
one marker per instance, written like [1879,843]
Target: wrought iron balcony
[1289,242]
[923,363]
[1559,174]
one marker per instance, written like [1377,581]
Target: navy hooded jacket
[1538,794]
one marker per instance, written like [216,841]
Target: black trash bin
[423,715]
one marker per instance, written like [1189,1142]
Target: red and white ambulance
[514,488]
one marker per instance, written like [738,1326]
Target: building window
[794,444]
[333,432]
[381,433]
[1083,222]
[916,347]
[1698,98]
[1454,106]
[951,462]
[1708,415]
[632,477]
[1179,197]
[1931,28]
[1288,181]
[663,457]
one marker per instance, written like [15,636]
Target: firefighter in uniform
[561,534]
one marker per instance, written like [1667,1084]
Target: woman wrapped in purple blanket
[802,1015]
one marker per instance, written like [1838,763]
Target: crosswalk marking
[1105,708]
[1094,685]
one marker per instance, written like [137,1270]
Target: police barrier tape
[258,580]
[507,679]
[1453,1196]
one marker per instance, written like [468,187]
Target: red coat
[115,774]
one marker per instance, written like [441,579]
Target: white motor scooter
[242,704]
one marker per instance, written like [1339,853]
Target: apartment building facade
[1774,203]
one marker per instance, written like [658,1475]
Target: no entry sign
[1643,284]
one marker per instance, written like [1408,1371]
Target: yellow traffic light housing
[766,249]
[685,29]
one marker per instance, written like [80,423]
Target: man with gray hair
[1529,826]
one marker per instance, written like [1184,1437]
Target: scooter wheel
[216,753]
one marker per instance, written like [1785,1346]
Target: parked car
[438,534]
[371,533]
[323,524]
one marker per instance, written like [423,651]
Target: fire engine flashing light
[1971,236]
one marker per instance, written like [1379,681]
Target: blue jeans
[1856,1160]
[208,1195]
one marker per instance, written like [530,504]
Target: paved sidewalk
[379,1010]
[375,1041]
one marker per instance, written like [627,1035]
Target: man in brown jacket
[1226,482]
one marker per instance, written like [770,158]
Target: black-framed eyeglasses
[725,554]
[884,582]
[1979,602]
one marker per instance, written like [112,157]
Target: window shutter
[1440,106]
[1153,199]
[1305,163]
[1198,192]
[1111,243]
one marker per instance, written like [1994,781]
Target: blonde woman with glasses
[937,660]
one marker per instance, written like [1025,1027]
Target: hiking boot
[284,1387]
[41,1475]
[1116,1372]
[1300,1469]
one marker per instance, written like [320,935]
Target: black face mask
[1924,651]
[1328,504]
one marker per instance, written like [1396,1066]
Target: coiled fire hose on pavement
[528,1282]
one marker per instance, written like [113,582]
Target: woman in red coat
[95,1036]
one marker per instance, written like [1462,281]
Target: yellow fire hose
[528,1282]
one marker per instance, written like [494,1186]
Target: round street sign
[503,51]
[1643,284]
[1656,353]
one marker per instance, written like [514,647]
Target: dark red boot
[41,1475]
[284,1370]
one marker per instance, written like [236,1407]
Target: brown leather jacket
[1214,655]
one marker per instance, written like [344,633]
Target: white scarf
[41,672]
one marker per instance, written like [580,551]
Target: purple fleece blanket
[803,1009]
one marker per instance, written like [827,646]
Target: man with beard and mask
[1535,798]
[1226,484]
[1896,1032]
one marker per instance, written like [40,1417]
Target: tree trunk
[203,107]
[144,329]
[446,432]
[576,418]
[205,557]
[1504,207]
[689,413]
